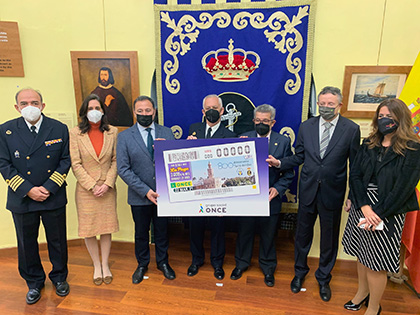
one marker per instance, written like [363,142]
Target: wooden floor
[201,294]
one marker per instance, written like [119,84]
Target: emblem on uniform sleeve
[51,142]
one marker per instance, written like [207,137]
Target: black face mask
[145,120]
[262,129]
[212,115]
[387,125]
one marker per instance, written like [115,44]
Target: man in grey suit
[324,145]
[136,167]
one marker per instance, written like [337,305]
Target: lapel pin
[275,143]
[17,155]
[8,132]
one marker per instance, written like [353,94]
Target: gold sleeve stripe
[57,178]
[59,175]
[13,179]
[16,184]
[59,183]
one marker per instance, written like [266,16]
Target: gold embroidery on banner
[285,44]
[283,34]
[189,25]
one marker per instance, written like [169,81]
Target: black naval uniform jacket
[27,161]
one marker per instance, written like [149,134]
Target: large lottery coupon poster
[212,177]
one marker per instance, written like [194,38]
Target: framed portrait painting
[113,76]
[364,87]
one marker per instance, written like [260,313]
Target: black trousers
[142,216]
[197,230]
[330,229]
[245,242]
[27,228]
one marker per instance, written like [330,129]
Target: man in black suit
[324,145]
[34,161]
[210,128]
[279,147]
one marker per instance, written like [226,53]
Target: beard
[104,82]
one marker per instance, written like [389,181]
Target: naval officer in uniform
[34,161]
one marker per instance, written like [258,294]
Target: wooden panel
[11,64]
[189,295]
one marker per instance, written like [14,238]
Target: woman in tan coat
[93,160]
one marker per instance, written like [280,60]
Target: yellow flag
[411,96]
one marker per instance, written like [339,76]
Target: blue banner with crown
[249,54]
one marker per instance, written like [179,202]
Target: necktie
[33,131]
[150,142]
[208,133]
[325,139]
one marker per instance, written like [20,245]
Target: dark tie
[325,139]
[208,133]
[150,142]
[33,131]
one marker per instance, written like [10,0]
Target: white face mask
[31,113]
[94,116]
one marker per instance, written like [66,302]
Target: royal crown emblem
[230,64]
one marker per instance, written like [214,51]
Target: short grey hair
[265,108]
[213,95]
[26,89]
[331,90]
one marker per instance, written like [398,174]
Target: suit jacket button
[29,173]
[28,157]
[49,171]
[154,177]
[48,156]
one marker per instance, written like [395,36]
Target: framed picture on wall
[113,76]
[364,87]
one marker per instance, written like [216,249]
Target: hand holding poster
[212,177]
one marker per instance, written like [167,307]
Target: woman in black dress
[383,178]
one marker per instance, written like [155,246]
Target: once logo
[216,209]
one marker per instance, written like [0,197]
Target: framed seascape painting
[113,76]
[364,87]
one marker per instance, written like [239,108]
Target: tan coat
[96,215]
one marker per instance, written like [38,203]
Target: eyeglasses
[264,121]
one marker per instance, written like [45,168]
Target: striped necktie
[325,139]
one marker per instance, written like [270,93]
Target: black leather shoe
[193,270]
[219,273]
[269,280]
[355,307]
[62,288]
[168,272]
[33,296]
[237,273]
[325,292]
[138,275]
[296,284]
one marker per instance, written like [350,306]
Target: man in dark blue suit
[210,128]
[324,145]
[136,167]
[279,147]
[34,161]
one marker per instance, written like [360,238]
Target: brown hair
[84,124]
[404,133]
